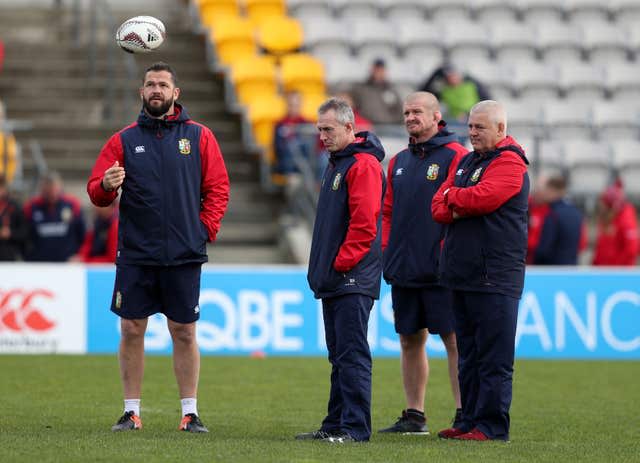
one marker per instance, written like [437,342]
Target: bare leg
[186,357]
[415,368]
[132,356]
[449,341]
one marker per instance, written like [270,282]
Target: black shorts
[417,308]
[143,290]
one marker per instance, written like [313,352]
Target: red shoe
[474,434]
[450,433]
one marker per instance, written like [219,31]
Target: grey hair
[344,113]
[494,109]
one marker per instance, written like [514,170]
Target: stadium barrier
[578,313]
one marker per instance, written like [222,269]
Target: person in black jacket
[345,266]
[411,242]
[13,227]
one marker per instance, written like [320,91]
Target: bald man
[411,243]
[484,201]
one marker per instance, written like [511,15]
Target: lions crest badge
[432,172]
[476,174]
[336,182]
[184,146]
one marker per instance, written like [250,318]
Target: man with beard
[411,244]
[175,191]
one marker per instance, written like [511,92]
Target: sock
[416,415]
[132,405]
[189,405]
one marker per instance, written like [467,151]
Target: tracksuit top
[560,237]
[411,239]
[346,253]
[175,191]
[485,249]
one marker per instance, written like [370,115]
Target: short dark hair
[158,67]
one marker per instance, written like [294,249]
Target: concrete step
[254,234]
[245,254]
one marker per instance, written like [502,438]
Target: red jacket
[617,243]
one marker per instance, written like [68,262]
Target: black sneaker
[342,438]
[407,425]
[128,422]
[315,435]
[191,423]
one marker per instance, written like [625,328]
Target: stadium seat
[513,41]
[306,10]
[494,11]
[626,163]
[303,73]
[259,10]
[419,40]
[263,113]
[582,80]
[558,42]
[604,42]
[310,104]
[233,38]
[278,35]
[403,72]
[449,11]
[524,117]
[356,9]
[622,81]
[625,12]
[403,10]
[632,37]
[550,156]
[465,40]
[616,120]
[586,10]
[372,38]
[567,119]
[589,165]
[254,76]
[326,37]
[540,11]
[213,10]
[535,80]
[344,71]
[495,75]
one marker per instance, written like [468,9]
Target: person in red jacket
[100,244]
[617,241]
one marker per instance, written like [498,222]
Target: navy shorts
[143,290]
[417,308]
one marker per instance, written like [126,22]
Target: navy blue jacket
[560,237]
[485,249]
[411,239]
[175,190]
[346,252]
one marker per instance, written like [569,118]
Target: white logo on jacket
[400,170]
[140,149]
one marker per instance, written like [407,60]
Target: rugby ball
[140,34]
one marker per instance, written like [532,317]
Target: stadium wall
[577,313]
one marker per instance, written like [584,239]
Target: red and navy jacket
[56,230]
[346,252]
[411,239]
[485,249]
[101,243]
[562,237]
[618,242]
[175,191]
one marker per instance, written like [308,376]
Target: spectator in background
[617,239]
[290,140]
[376,98]
[456,91]
[13,230]
[563,234]
[8,148]
[101,242]
[538,210]
[56,224]
[362,123]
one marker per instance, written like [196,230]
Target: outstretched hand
[113,177]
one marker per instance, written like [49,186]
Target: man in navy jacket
[175,191]
[485,201]
[345,267]
[411,242]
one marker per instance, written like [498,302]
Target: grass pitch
[61,408]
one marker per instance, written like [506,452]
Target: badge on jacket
[432,172]
[336,182]
[184,146]
[476,175]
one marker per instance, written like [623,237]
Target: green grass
[60,409]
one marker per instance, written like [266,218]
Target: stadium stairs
[46,80]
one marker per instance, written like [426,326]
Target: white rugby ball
[140,34]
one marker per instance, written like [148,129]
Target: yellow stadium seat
[303,73]
[8,154]
[310,104]
[263,114]
[234,38]
[253,77]
[280,34]
[212,10]
[259,10]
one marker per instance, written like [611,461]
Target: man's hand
[113,177]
